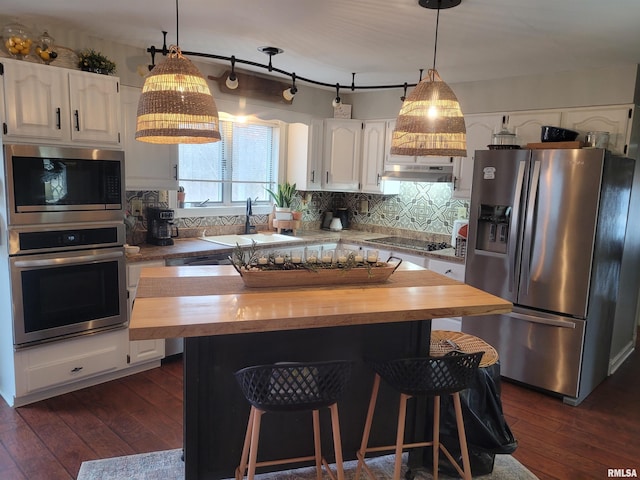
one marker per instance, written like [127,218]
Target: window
[227,172]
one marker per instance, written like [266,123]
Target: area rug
[167,465]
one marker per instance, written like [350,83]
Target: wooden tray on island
[299,277]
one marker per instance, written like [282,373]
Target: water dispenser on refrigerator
[493,228]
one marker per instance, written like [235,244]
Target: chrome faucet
[247,223]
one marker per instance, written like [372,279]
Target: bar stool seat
[421,376]
[293,387]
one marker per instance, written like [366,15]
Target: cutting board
[543,145]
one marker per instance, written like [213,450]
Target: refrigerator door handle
[513,231]
[528,242]
[546,321]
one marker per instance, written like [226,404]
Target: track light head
[232,79]
[337,101]
[290,92]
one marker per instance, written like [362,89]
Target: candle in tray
[296,256]
[279,260]
[312,256]
[342,259]
[263,261]
[327,256]
[372,256]
[358,258]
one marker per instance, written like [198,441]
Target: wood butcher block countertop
[173,302]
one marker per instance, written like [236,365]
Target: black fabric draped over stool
[293,387]
[423,376]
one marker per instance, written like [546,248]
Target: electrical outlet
[462,212]
[136,207]
[364,206]
[163,196]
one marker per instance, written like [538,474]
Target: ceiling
[382,41]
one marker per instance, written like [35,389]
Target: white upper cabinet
[373,154]
[616,120]
[35,103]
[341,166]
[480,129]
[148,166]
[304,155]
[60,106]
[95,108]
[528,125]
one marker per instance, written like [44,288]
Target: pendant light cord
[178,29]
[435,45]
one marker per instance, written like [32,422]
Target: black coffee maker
[160,226]
[343,215]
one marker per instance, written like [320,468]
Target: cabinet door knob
[76,369]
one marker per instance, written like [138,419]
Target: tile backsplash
[419,208]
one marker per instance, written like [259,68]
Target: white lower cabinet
[142,350]
[453,270]
[68,361]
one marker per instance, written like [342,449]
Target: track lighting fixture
[290,92]
[232,79]
[337,101]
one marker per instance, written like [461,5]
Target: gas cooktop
[411,243]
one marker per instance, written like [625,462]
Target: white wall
[592,87]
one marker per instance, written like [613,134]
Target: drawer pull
[76,369]
[448,272]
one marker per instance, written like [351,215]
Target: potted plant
[91,61]
[282,199]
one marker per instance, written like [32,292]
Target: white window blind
[228,172]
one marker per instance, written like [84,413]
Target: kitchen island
[227,326]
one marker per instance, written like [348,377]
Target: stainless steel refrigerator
[547,232]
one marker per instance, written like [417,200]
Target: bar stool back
[428,376]
[289,387]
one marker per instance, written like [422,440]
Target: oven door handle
[94,257]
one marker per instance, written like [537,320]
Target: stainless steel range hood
[419,173]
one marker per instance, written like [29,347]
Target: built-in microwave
[56,184]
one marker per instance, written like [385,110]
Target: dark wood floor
[142,413]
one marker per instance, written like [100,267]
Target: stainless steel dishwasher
[211,259]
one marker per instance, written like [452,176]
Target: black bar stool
[428,376]
[289,387]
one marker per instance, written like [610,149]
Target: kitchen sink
[242,240]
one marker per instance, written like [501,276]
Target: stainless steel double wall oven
[65,241]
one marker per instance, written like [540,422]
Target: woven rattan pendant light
[430,122]
[176,105]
